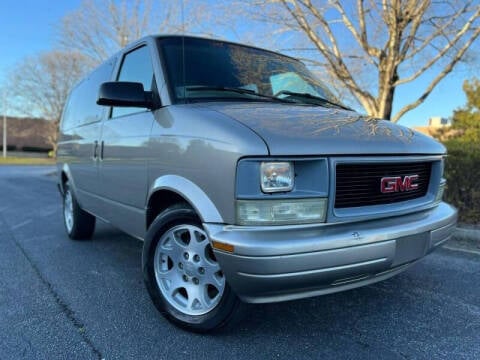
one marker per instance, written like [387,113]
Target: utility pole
[4,123]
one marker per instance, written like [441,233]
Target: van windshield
[219,71]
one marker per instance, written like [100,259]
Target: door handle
[102,145]
[95,147]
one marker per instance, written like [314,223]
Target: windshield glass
[216,70]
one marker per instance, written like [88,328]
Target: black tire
[228,310]
[82,223]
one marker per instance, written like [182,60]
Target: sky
[29,27]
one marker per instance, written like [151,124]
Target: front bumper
[281,263]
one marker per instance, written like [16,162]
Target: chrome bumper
[272,264]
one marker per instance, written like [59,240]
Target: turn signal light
[223,246]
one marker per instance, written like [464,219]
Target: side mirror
[124,94]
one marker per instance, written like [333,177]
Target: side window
[82,107]
[136,67]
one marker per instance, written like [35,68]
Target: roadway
[61,299]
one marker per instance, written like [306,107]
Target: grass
[26,161]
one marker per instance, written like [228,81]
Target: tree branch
[361,38]
[446,48]
[439,30]
[438,78]
[416,21]
[334,57]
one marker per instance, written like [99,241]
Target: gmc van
[246,179]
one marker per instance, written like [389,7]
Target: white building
[437,121]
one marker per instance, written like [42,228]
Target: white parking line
[26,222]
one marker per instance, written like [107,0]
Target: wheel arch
[64,176]
[171,189]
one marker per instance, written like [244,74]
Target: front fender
[190,192]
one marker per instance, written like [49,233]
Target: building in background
[438,127]
[27,134]
[437,121]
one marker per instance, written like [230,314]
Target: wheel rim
[68,211]
[187,273]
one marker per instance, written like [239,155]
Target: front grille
[359,184]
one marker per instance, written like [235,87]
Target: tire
[79,224]
[183,278]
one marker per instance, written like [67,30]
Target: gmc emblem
[398,184]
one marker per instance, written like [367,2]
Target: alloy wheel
[186,271]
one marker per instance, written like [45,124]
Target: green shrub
[462,171]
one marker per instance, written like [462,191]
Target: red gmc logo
[397,184]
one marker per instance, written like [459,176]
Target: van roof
[166,36]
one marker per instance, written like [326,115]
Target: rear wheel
[182,274]
[79,224]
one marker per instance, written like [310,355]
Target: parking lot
[86,300]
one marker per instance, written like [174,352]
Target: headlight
[281,211]
[276,176]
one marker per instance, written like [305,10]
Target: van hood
[312,130]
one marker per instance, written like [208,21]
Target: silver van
[247,180]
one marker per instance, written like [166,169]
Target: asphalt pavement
[61,299]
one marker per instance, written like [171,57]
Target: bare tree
[39,85]
[371,47]
[99,28]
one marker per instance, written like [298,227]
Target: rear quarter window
[81,107]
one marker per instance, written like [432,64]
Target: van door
[85,116]
[123,150]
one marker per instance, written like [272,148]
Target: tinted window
[136,67]
[82,105]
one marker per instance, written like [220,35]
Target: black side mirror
[125,94]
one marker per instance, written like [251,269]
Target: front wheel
[182,274]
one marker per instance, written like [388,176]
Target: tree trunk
[387,106]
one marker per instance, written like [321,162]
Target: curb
[463,249]
[467,234]
[466,239]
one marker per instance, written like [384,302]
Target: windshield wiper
[312,97]
[236,90]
